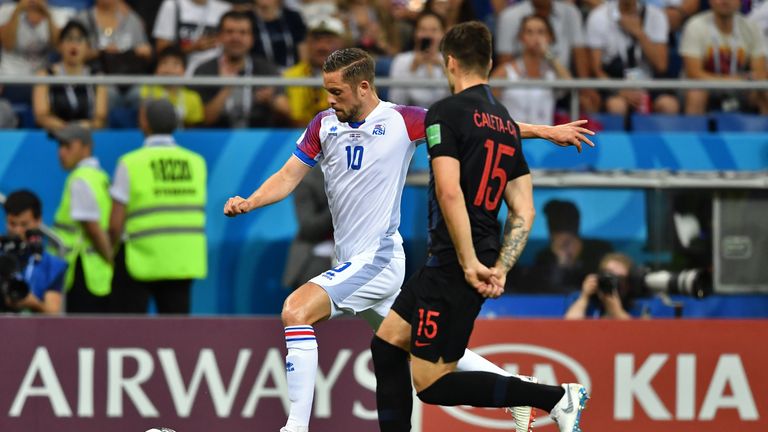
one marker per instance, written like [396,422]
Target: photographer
[607,294]
[424,61]
[30,278]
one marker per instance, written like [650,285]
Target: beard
[349,116]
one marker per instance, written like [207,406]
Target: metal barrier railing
[572,85]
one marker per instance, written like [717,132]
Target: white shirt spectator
[32,42]
[759,16]
[605,33]
[185,21]
[127,35]
[565,20]
[423,97]
[529,104]
[735,50]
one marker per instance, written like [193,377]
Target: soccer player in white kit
[364,146]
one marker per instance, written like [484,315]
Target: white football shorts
[367,284]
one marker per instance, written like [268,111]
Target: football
[160,429]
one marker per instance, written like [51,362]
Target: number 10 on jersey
[354,157]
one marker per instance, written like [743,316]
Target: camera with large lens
[15,255]
[690,282]
[608,282]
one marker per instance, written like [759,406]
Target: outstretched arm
[519,198]
[277,187]
[564,135]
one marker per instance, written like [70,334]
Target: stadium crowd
[534,39]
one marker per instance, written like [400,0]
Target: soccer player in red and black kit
[476,160]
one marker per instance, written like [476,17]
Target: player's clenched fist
[237,205]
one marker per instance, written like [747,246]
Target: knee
[293,313]
[696,102]
[616,105]
[387,355]
[666,104]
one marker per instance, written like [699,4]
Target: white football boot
[567,412]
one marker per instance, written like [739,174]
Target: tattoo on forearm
[515,238]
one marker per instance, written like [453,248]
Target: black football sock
[394,397]
[485,389]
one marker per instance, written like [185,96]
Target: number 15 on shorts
[427,328]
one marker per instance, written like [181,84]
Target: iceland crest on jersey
[378,129]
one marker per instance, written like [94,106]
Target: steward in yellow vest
[158,209]
[81,223]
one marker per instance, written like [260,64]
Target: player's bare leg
[306,306]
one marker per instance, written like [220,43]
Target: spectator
[532,105]
[147,10]
[721,44]
[628,40]
[569,259]
[607,294]
[452,11]
[29,30]
[8,118]
[311,251]
[279,33]
[324,37]
[569,46]
[81,222]
[192,25]
[56,105]
[189,105]
[371,26]
[246,106]
[677,11]
[43,274]
[759,16]
[158,197]
[425,61]
[118,44]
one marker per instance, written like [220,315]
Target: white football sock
[472,362]
[301,368]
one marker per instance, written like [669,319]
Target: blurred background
[667,217]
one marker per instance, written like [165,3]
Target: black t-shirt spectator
[71,102]
[475,128]
[278,40]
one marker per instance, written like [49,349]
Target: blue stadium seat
[609,122]
[735,122]
[669,123]
[77,4]
[123,118]
[26,116]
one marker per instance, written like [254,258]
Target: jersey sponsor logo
[379,129]
[355,136]
[332,131]
[549,365]
[433,135]
[494,122]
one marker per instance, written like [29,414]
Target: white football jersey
[364,166]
